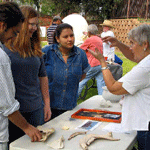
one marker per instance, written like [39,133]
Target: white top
[107,50]
[8,104]
[136,105]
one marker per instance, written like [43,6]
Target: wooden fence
[123,26]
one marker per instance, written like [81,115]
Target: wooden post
[147,8]
[128,9]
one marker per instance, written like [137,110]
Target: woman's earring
[144,49]
[59,45]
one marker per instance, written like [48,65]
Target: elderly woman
[135,85]
[66,65]
[95,72]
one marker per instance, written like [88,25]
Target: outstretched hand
[97,54]
[114,42]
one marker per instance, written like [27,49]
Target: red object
[105,58]
[77,115]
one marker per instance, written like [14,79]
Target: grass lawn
[43,43]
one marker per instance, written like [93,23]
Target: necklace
[63,54]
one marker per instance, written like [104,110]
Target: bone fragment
[57,144]
[88,139]
[46,132]
[65,128]
[75,134]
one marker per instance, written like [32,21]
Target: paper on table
[113,127]
[89,125]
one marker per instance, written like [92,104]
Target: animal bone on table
[57,144]
[88,139]
[46,132]
[75,134]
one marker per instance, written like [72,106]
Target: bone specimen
[65,128]
[88,139]
[75,134]
[46,132]
[57,144]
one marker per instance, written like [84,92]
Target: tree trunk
[128,10]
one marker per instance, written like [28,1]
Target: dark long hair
[59,30]
[10,14]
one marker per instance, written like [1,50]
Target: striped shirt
[8,104]
[50,33]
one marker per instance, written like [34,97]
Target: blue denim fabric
[64,77]
[143,138]
[94,72]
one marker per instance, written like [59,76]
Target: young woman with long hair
[29,72]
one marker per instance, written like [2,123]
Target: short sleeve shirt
[136,105]
[64,77]
[50,33]
[107,50]
[92,43]
[26,73]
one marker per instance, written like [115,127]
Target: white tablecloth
[126,140]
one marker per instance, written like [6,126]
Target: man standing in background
[50,31]
[108,51]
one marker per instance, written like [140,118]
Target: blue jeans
[143,138]
[94,72]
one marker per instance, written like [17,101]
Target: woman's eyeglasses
[34,24]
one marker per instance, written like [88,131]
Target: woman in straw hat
[108,51]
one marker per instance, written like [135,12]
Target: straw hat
[107,23]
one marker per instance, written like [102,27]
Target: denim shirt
[64,77]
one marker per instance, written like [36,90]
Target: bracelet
[104,68]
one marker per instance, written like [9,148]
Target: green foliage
[63,7]
[93,9]
[33,3]
[48,8]
[43,43]
[127,64]
[100,9]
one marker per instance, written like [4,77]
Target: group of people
[92,42]
[37,85]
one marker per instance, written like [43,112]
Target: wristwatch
[104,68]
